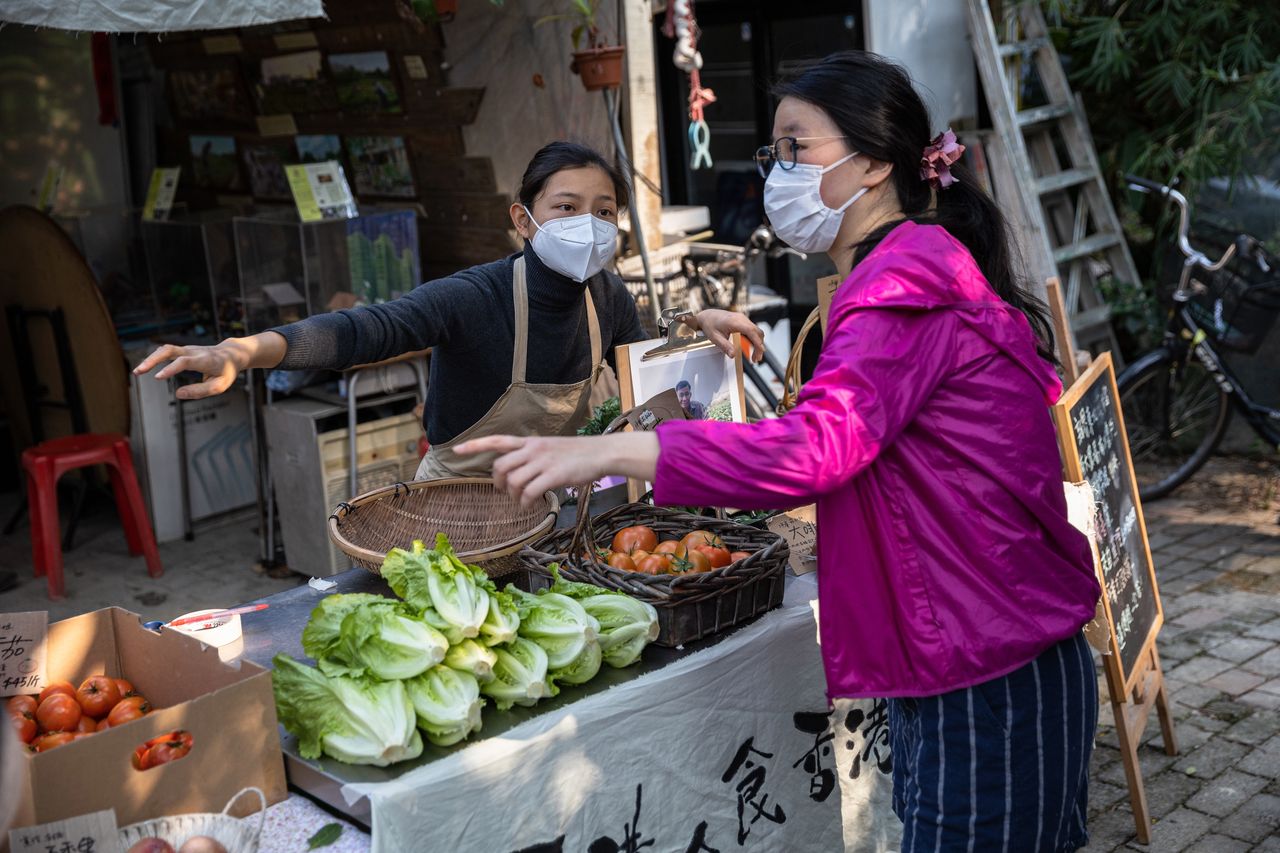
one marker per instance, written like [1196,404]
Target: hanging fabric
[682,25]
[149,16]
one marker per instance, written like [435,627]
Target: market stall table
[723,743]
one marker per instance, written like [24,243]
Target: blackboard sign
[1095,450]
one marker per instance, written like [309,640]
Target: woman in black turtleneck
[567,213]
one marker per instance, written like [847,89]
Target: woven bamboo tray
[235,834]
[690,606]
[485,526]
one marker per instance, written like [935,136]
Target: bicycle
[1178,399]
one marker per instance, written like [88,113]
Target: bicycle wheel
[1175,415]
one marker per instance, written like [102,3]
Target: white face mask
[793,202]
[575,246]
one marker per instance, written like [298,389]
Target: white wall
[500,49]
[931,38]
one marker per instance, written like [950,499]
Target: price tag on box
[90,833]
[800,528]
[23,641]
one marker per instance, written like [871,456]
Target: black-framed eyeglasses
[783,152]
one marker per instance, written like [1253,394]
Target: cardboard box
[228,708]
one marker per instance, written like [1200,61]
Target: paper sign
[415,68]
[800,528]
[320,191]
[295,41]
[827,287]
[277,125]
[214,45]
[164,185]
[49,188]
[22,652]
[96,832]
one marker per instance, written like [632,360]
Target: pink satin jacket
[945,558]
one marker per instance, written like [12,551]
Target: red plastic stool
[46,462]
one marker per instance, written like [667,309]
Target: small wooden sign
[216,45]
[281,124]
[96,831]
[1095,449]
[295,41]
[23,645]
[827,287]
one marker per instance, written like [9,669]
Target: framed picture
[293,83]
[706,382]
[380,166]
[264,163]
[316,148]
[214,164]
[364,82]
[210,94]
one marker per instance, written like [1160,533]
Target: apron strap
[520,296]
[520,293]
[593,328]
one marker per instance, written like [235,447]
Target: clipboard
[635,360]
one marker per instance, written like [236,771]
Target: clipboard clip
[681,337]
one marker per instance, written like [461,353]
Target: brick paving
[1219,575]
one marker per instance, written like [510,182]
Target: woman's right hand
[218,365]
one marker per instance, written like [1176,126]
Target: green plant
[1190,89]
[584,12]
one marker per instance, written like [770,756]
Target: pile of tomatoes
[637,549]
[62,713]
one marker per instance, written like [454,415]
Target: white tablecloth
[727,748]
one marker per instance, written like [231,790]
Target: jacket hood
[923,268]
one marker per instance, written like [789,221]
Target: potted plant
[599,64]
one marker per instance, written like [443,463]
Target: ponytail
[875,106]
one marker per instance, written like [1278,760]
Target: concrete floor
[213,570]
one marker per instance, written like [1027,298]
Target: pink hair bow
[935,165]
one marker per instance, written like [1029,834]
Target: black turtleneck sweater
[469,321]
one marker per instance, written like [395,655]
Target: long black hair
[555,156]
[875,106]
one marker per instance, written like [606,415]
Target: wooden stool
[46,462]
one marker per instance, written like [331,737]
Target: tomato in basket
[635,538]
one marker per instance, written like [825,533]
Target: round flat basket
[485,526]
[235,834]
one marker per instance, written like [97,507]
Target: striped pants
[1002,765]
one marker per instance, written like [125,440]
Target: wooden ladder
[1060,211]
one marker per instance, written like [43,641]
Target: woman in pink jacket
[949,578]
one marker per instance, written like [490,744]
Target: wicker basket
[690,606]
[484,525]
[235,834]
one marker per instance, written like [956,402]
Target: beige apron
[524,408]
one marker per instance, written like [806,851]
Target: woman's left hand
[529,466]
[718,325]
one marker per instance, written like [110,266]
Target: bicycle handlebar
[1194,256]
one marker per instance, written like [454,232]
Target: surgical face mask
[793,201]
[575,246]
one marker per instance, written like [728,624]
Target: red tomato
[718,556]
[22,705]
[702,537]
[168,748]
[57,687]
[696,561]
[49,740]
[672,547]
[739,555]
[637,538]
[87,725]
[58,713]
[127,710]
[125,687]
[24,725]
[654,564]
[623,562]
[98,695]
